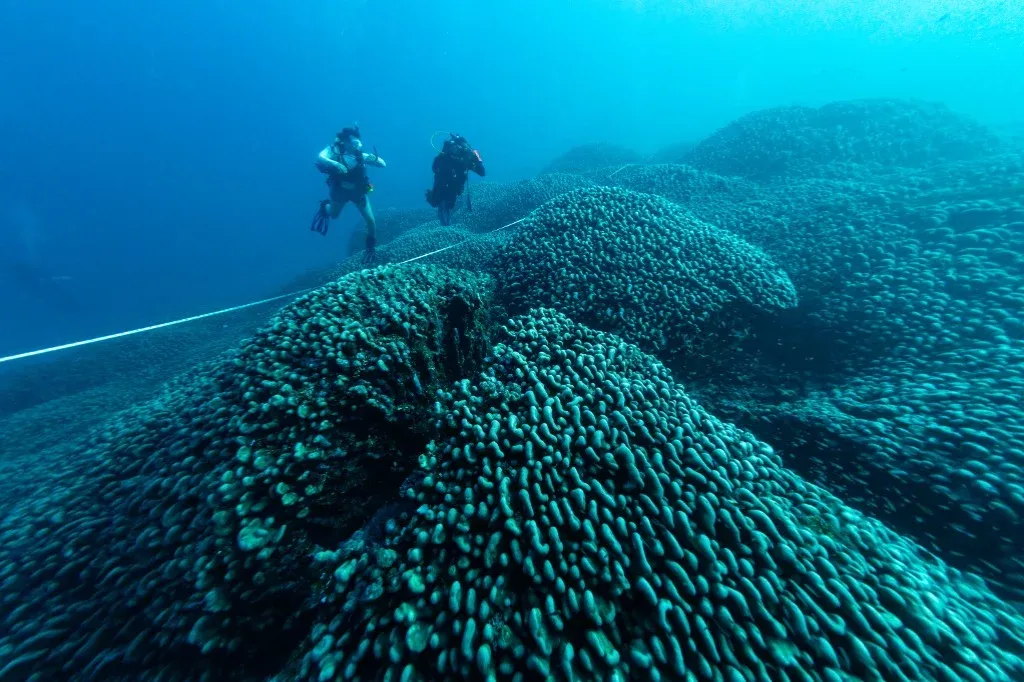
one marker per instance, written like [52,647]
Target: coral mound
[686,185]
[179,542]
[801,141]
[640,266]
[594,160]
[382,483]
[497,204]
[582,518]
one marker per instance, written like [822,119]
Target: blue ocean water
[159,156]
[715,374]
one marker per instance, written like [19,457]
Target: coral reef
[583,518]
[747,413]
[594,161]
[178,541]
[640,266]
[857,135]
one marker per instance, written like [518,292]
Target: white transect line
[118,335]
[642,163]
[183,320]
[452,246]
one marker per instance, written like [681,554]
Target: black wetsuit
[451,172]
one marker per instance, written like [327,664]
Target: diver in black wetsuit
[451,171]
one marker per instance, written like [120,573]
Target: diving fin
[321,220]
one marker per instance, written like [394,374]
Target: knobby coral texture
[747,410]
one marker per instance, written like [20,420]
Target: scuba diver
[451,172]
[344,163]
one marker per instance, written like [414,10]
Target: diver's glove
[370,255]
[321,219]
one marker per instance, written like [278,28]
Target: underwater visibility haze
[611,340]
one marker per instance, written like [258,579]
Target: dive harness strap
[321,220]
